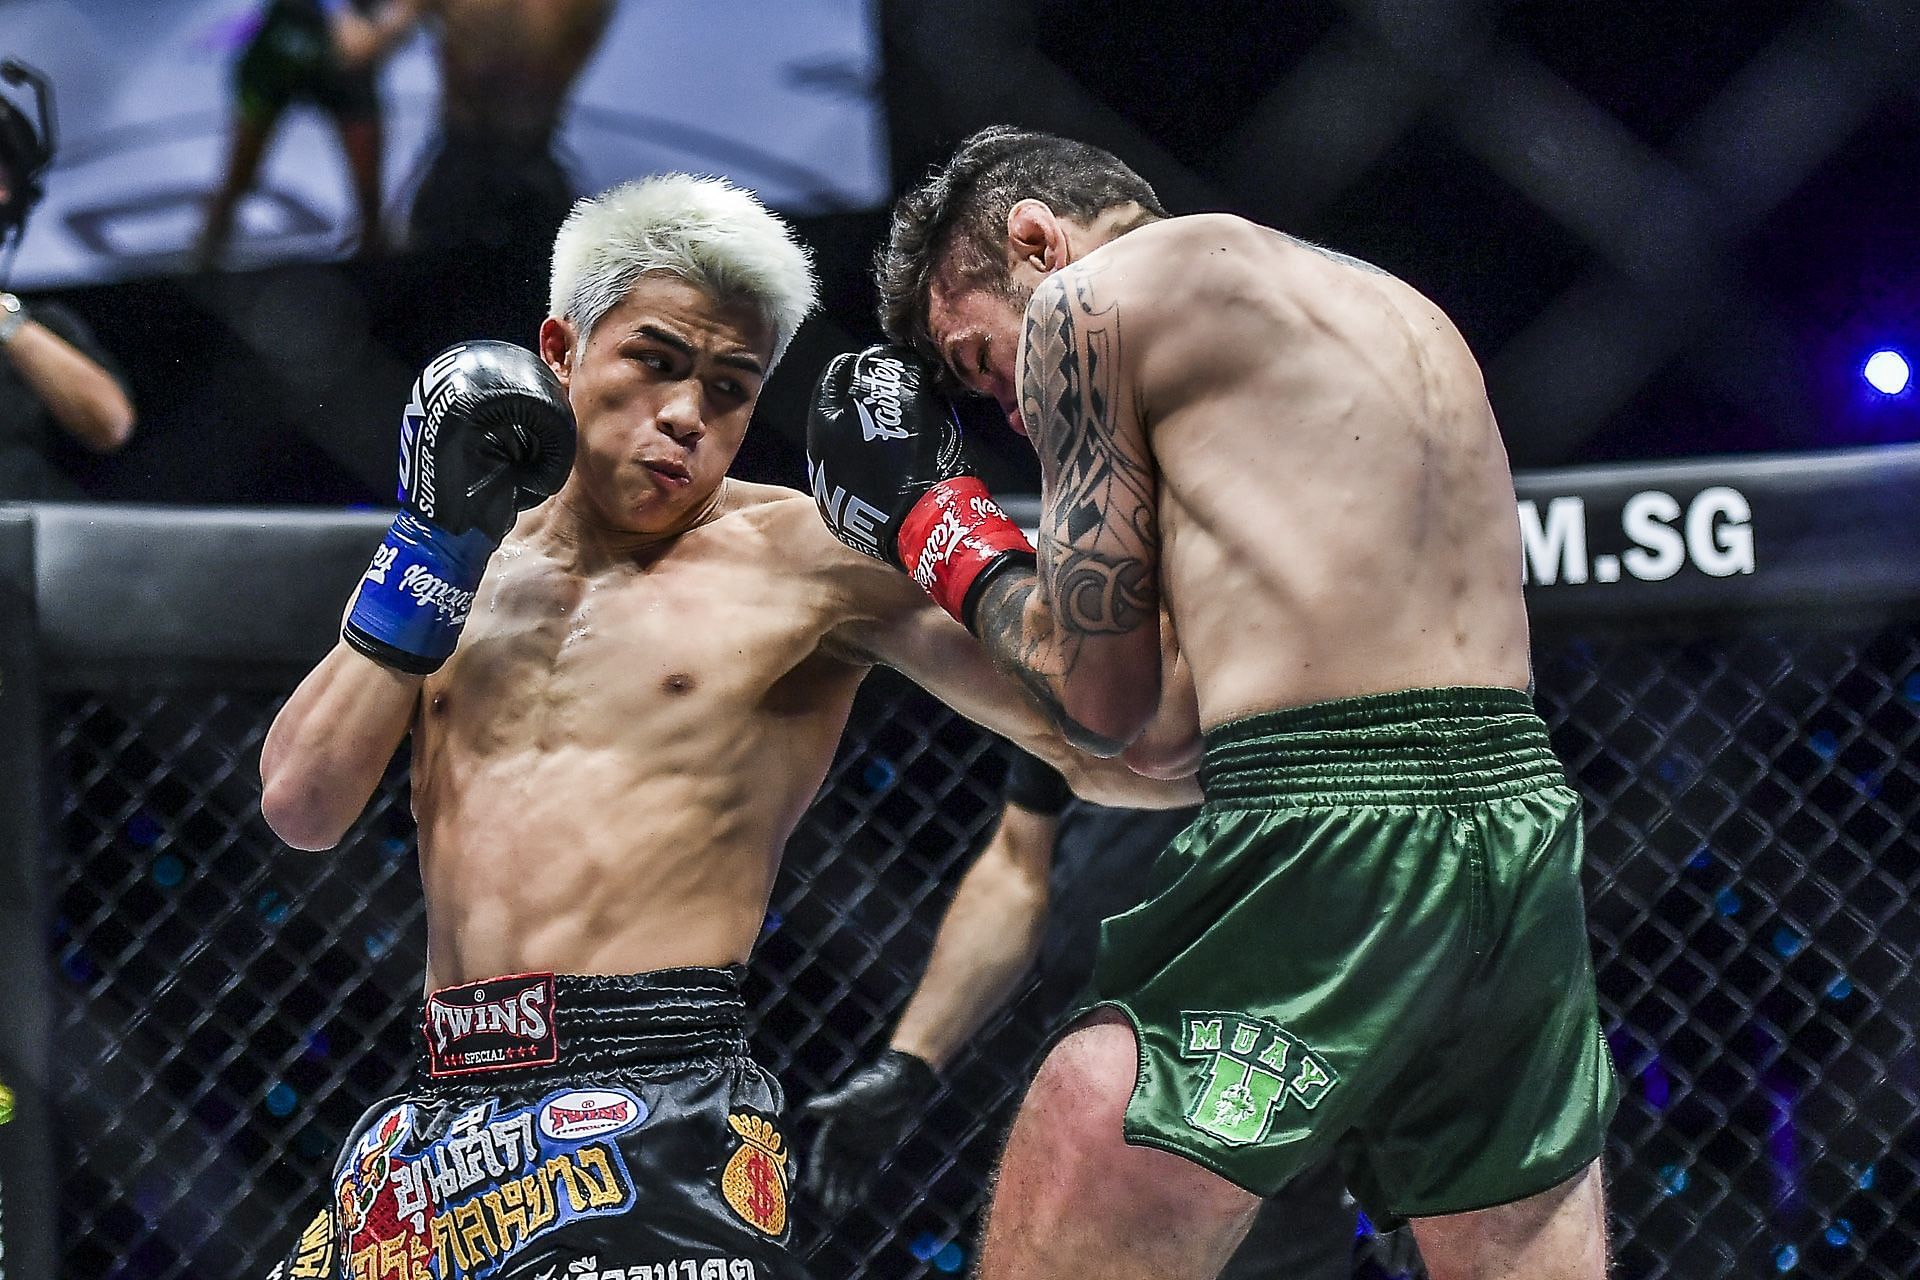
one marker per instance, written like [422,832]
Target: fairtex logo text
[942,541]
[878,400]
[430,591]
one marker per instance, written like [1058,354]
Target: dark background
[1666,229]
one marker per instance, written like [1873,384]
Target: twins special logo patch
[755,1179]
[494,1025]
[1250,1068]
[590,1113]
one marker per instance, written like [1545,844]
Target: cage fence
[226,1007]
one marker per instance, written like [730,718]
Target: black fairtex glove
[892,479]
[861,1123]
[487,433]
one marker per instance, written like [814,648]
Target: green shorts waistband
[1414,746]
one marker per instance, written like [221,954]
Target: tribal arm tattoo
[1087,623]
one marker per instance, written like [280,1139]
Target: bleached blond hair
[706,231]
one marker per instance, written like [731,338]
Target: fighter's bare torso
[1335,511]
[606,770]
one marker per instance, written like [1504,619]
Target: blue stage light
[924,1246]
[1673,1179]
[1787,943]
[168,871]
[950,1259]
[1840,1234]
[281,1099]
[1786,1258]
[1728,902]
[1887,372]
[1840,988]
[1824,743]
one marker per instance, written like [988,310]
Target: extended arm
[1083,631]
[893,480]
[919,640]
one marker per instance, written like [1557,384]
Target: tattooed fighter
[1277,521]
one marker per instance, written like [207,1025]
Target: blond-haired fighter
[1370,944]
[619,712]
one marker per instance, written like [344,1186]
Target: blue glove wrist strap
[415,596]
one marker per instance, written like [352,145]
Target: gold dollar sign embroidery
[755,1179]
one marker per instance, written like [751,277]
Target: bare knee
[1073,1122]
[1081,1091]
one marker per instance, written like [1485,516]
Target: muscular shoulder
[788,519]
[857,586]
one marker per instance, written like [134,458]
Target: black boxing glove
[860,1123]
[487,433]
[891,477]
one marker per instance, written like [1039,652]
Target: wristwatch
[13,314]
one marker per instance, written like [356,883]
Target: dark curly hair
[960,215]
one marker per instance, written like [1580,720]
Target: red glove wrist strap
[954,532]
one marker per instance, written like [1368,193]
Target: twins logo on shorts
[1249,1074]
[463,1204]
[493,1025]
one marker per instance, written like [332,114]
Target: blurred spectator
[55,382]
[506,68]
[323,52]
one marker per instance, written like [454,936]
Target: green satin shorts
[1371,944]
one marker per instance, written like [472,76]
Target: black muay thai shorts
[567,1128]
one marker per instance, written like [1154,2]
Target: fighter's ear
[1038,237]
[557,340]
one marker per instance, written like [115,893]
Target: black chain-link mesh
[228,1007]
